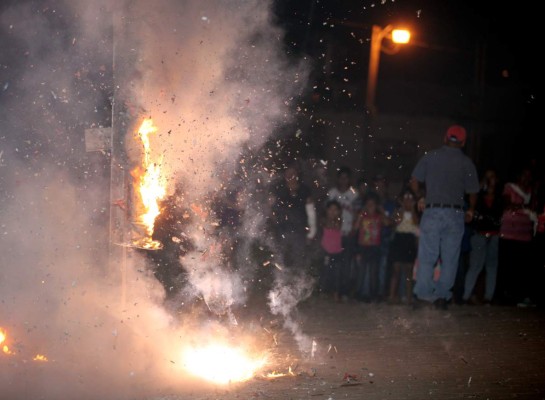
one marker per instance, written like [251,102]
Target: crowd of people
[427,246]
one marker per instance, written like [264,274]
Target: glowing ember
[221,364]
[3,337]
[151,186]
[40,357]
[274,374]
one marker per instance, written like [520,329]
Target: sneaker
[527,302]
[473,301]
[440,304]
[419,304]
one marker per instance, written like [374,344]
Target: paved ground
[395,352]
[391,353]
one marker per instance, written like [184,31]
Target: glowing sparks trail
[151,187]
[39,357]
[221,364]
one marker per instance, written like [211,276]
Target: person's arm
[472,200]
[415,186]
[311,218]
[472,189]
[356,224]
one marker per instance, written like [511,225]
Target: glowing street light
[397,36]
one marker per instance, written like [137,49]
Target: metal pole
[117,252]
[377,35]
[374,59]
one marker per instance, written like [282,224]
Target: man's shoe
[419,304]
[440,304]
[474,301]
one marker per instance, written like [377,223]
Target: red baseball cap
[456,134]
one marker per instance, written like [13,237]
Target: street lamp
[398,36]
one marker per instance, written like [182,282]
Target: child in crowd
[331,243]
[368,226]
[404,247]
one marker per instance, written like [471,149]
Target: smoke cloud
[290,289]
[213,77]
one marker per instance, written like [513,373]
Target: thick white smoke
[213,77]
[290,289]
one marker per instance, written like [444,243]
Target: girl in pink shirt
[331,244]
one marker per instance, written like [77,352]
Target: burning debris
[8,351]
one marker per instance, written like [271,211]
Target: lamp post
[378,34]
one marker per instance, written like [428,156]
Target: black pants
[516,272]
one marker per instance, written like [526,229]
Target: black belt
[441,205]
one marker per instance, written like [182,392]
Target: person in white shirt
[345,194]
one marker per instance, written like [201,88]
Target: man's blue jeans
[484,252]
[441,232]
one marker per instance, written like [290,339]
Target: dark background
[475,62]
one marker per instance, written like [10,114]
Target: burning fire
[151,186]
[221,364]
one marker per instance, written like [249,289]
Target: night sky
[486,46]
[442,28]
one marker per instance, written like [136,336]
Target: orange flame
[151,185]
[274,374]
[40,357]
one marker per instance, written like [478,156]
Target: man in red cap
[442,178]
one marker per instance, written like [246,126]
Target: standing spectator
[293,217]
[361,191]
[368,226]
[539,238]
[540,259]
[388,205]
[404,246]
[463,262]
[515,247]
[345,194]
[331,244]
[448,174]
[485,239]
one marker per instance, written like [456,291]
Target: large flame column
[150,187]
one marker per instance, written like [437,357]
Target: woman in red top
[515,247]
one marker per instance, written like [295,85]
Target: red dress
[516,224]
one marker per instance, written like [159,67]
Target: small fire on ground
[222,364]
[7,351]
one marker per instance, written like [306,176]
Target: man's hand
[421,204]
[469,216]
